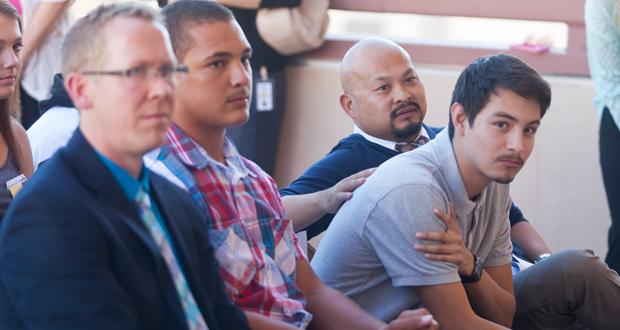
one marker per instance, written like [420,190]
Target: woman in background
[602,18]
[45,24]
[15,154]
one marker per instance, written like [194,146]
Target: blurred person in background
[45,25]
[602,18]
[15,154]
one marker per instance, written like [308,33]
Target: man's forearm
[303,210]
[324,302]
[489,300]
[528,240]
[45,17]
[450,306]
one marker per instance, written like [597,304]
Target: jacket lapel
[96,177]
[93,173]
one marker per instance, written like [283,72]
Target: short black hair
[486,75]
[180,15]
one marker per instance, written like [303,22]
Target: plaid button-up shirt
[254,242]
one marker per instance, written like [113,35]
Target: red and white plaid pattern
[254,242]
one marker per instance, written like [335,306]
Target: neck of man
[208,137]
[130,162]
[475,182]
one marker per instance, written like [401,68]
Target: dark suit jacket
[74,254]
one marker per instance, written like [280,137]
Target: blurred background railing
[486,26]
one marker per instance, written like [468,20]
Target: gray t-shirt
[367,252]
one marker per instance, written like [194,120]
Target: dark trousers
[258,139]
[29,108]
[571,289]
[609,147]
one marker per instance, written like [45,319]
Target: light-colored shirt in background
[603,39]
[51,132]
[38,75]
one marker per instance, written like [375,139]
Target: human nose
[402,93]
[160,85]
[242,75]
[516,141]
[10,59]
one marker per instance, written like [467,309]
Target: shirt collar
[194,155]
[385,143]
[444,150]
[128,183]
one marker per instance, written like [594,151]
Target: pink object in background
[17,5]
[534,46]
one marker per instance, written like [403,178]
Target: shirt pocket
[286,246]
[235,257]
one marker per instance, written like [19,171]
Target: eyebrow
[228,54]
[386,78]
[16,41]
[502,114]
[408,72]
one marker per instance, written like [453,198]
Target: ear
[347,105]
[77,87]
[459,118]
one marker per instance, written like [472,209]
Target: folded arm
[527,238]
[449,305]
[333,310]
[492,297]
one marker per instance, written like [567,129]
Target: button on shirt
[254,242]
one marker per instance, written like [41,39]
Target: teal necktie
[195,320]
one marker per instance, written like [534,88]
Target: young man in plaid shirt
[263,267]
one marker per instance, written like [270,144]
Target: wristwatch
[542,257]
[476,273]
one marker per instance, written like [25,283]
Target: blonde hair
[84,44]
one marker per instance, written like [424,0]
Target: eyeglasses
[141,72]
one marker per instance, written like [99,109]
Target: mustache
[511,158]
[400,108]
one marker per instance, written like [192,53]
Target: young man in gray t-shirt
[496,108]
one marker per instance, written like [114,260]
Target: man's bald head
[363,53]
[382,92]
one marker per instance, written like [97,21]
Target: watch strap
[476,273]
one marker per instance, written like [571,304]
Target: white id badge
[15,184]
[264,95]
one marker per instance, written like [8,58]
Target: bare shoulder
[18,131]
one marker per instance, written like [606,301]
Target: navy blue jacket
[75,254]
[351,155]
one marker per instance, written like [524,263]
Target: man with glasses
[96,241]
